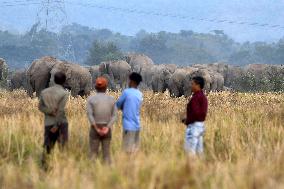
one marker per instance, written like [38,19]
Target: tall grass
[244,145]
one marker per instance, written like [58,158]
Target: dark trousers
[60,136]
[96,140]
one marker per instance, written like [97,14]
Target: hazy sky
[20,18]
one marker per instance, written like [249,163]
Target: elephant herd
[158,78]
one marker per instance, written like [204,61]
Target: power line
[18,1]
[152,13]
[21,3]
[18,4]
[176,16]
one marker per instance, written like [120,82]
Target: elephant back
[139,61]
[38,74]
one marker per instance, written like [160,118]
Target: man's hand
[99,130]
[95,127]
[54,129]
[105,130]
[54,113]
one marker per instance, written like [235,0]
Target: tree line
[89,46]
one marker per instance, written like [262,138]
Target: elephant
[193,72]
[171,68]
[176,82]
[143,65]
[161,75]
[147,73]
[138,62]
[188,80]
[19,80]
[221,74]
[38,74]
[217,70]
[78,78]
[220,67]
[118,72]
[217,81]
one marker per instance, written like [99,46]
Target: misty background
[181,32]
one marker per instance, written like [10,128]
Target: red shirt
[197,108]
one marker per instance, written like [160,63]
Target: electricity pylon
[52,15]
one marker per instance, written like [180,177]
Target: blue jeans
[194,138]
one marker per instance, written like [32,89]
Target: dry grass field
[244,145]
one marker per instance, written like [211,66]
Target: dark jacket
[197,108]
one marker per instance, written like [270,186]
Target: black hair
[136,77]
[199,81]
[59,78]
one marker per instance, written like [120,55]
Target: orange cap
[101,83]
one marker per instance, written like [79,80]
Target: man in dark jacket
[52,103]
[195,117]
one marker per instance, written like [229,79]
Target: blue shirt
[130,103]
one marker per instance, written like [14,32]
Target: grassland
[244,145]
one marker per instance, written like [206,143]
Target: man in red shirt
[195,117]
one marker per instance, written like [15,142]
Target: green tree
[103,52]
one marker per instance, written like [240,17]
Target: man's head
[197,84]
[59,78]
[135,79]
[101,84]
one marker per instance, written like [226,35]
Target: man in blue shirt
[130,103]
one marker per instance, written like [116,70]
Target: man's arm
[61,106]
[90,113]
[188,114]
[121,101]
[42,107]
[113,117]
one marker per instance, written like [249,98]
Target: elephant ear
[104,67]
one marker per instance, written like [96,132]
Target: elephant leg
[174,91]
[214,86]
[112,85]
[51,82]
[75,90]
[38,91]
[220,85]
[30,89]
[123,84]
[87,90]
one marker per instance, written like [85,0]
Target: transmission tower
[52,16]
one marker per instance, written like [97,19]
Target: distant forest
[88,46]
